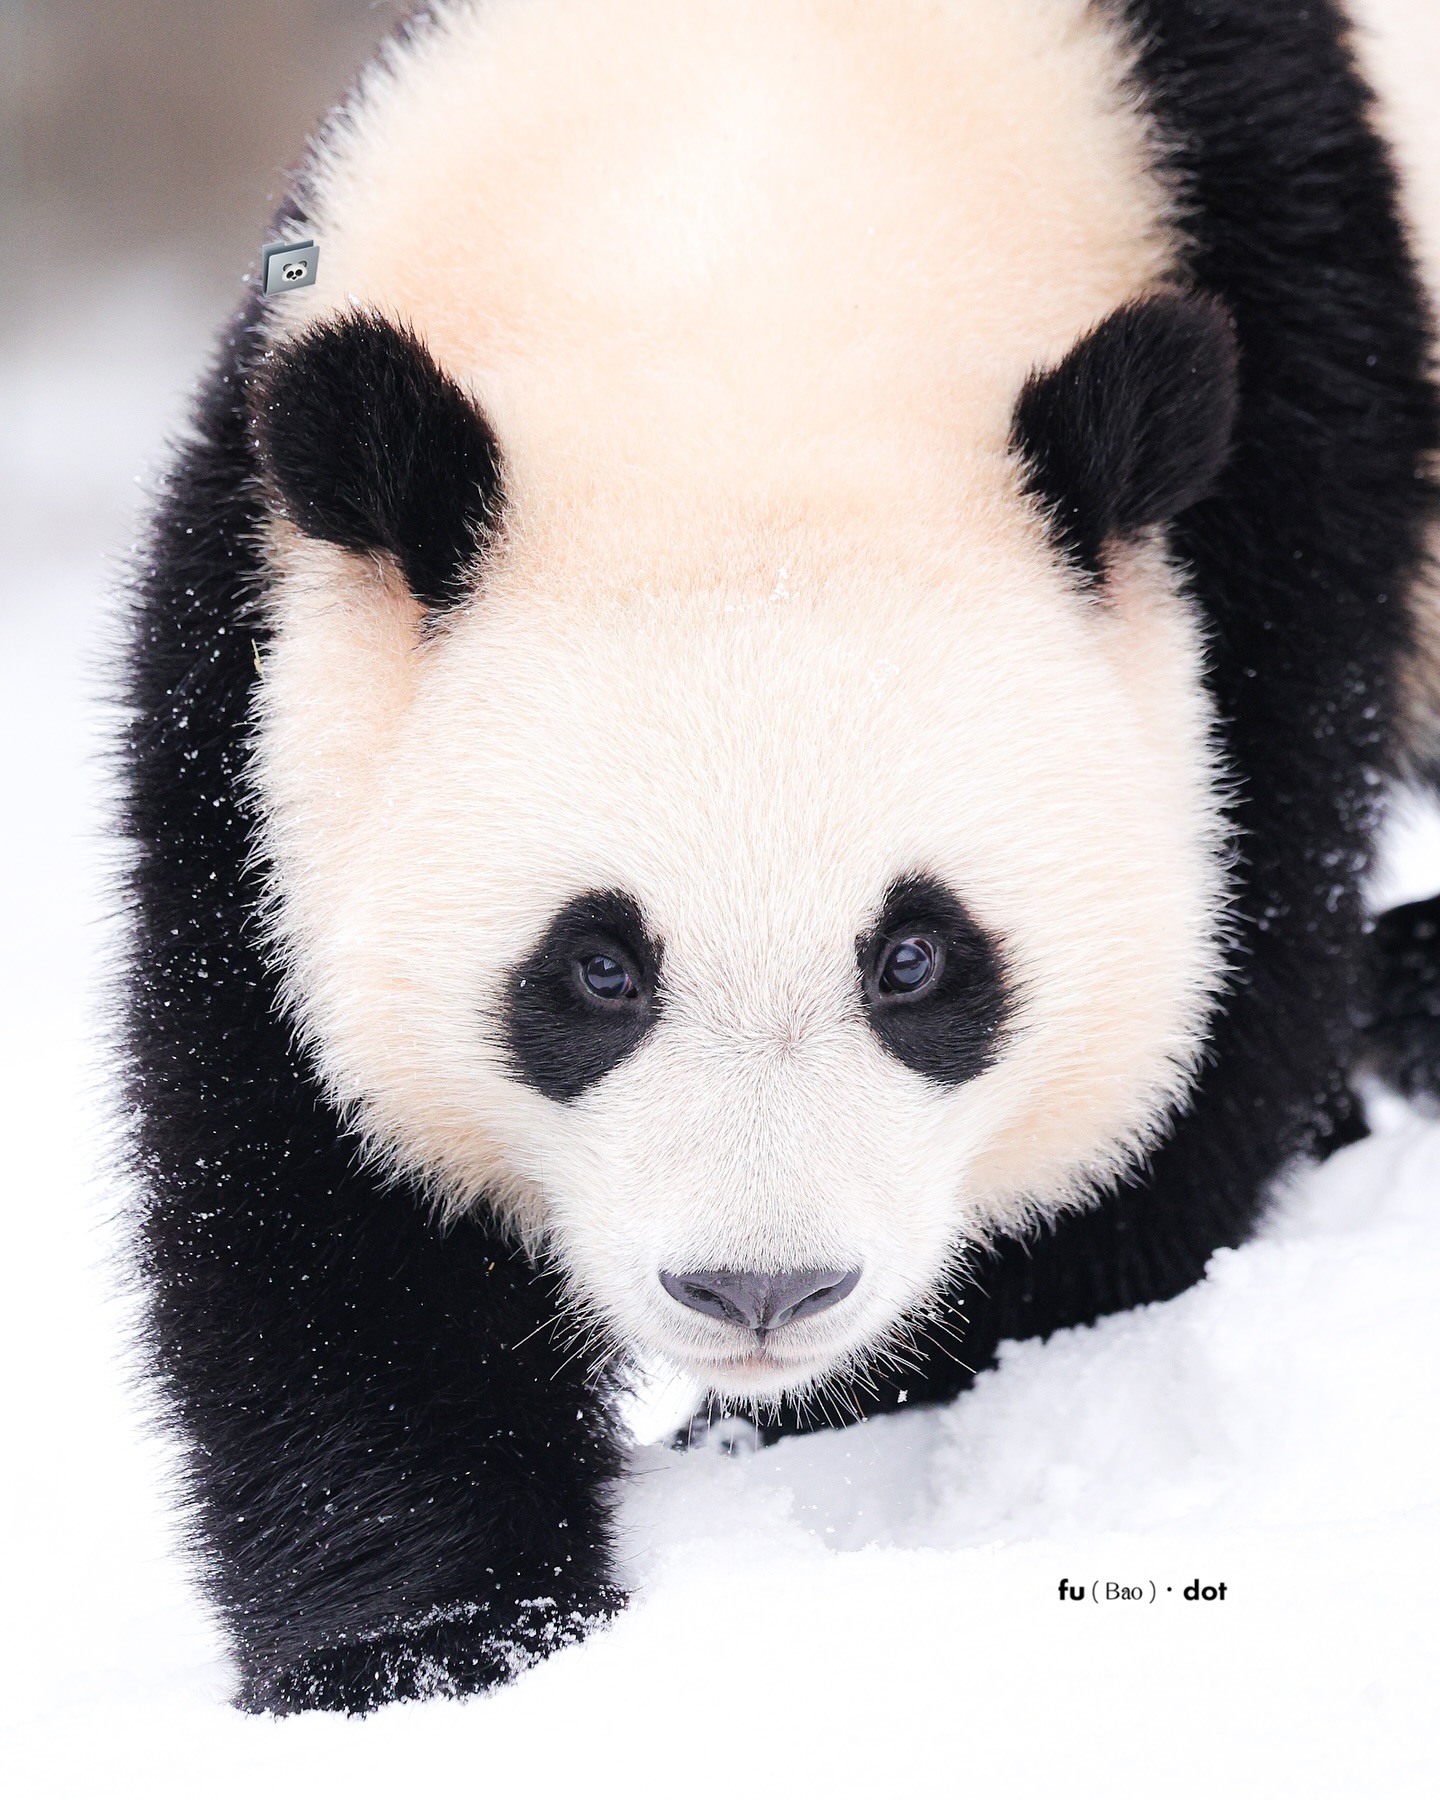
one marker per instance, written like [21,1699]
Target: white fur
[747,290]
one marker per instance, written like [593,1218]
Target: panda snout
[760,1302]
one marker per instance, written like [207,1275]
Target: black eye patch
[584,998]
[1133,426]
[371,446]
[933,983]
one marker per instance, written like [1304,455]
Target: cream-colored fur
[747,291]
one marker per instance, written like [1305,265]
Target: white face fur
[770,626]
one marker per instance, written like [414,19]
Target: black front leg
[399,1462]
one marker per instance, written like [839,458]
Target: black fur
[1133,426]
[952,1031]
[371,447]
[398,1468]
[561,1038]
[1401,1020]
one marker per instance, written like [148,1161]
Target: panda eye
[606,978]
[934,983]
[909,968]
[584,997]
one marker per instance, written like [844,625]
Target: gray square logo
[289,266]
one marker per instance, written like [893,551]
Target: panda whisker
[586,1333]
[578,1330]
[560,1368]
[863,1377]
[824,1397]
[919,1339]
[605,1361]
[549,1324]
[606,1366]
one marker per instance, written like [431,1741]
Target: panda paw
[722,1436]
[452,1652]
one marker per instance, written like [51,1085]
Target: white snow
[866,1612]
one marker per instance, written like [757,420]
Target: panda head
[732,757]
[758,918]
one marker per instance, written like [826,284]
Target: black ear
[373,447]
[1134,425]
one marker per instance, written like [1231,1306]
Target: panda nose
[760,1302]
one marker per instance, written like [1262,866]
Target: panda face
[818,905]
[732,757]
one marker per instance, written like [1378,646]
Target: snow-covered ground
[869,1612]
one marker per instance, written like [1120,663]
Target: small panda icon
[288,266]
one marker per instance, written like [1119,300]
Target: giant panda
[754,735]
